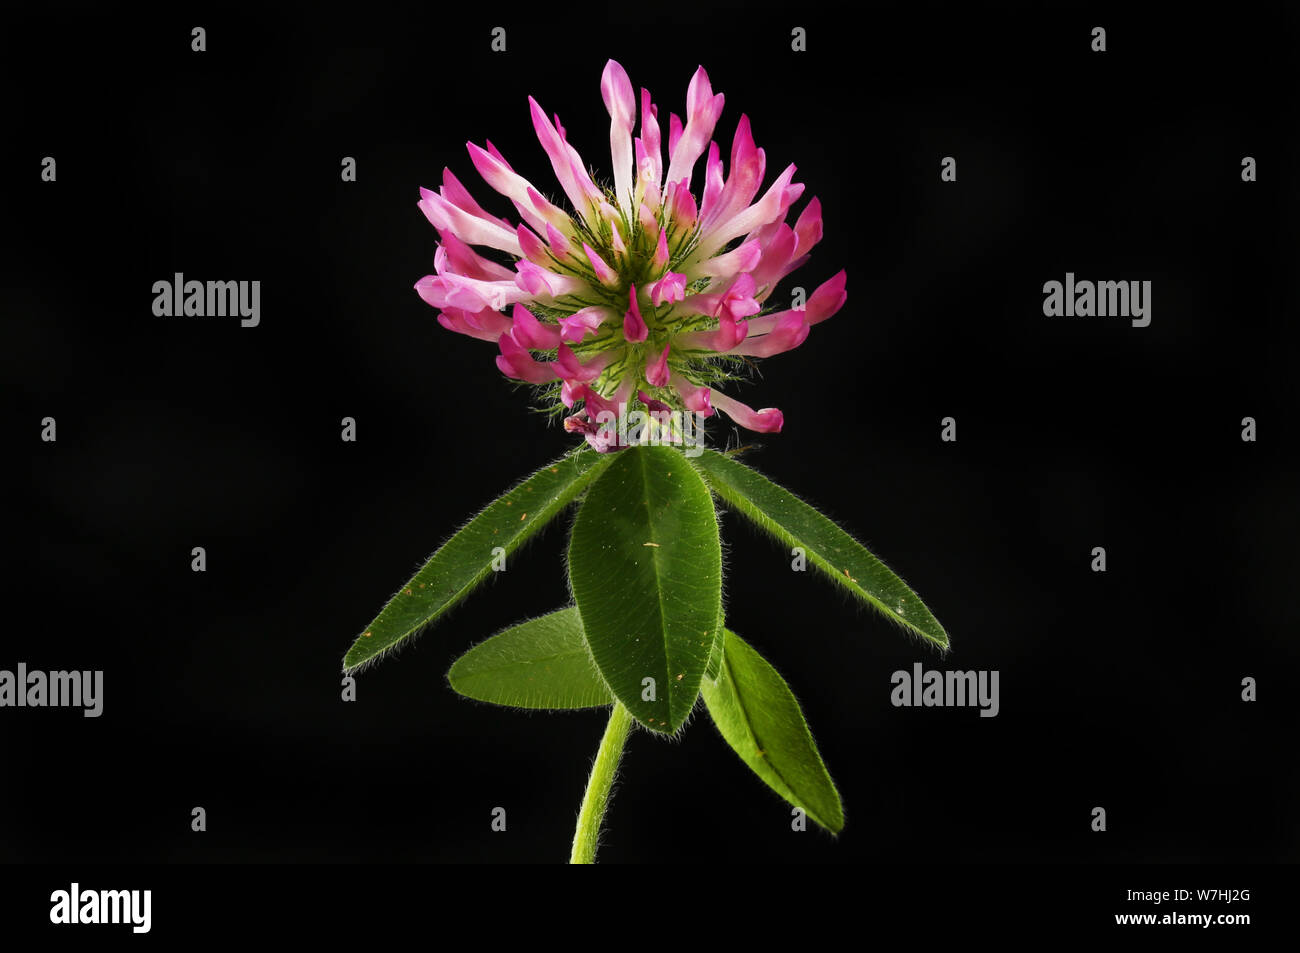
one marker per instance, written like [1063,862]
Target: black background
[222,689]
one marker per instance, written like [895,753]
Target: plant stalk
[594,802]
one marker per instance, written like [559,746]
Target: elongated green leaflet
[466,559]
[714,666]
[541,663]
[759,717]
[646,568]
[830,549]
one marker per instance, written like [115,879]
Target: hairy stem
[596,799]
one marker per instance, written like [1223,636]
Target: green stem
[596,799]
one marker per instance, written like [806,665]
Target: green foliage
[829,548]
[465,560]
[645,564]
[647,634]
[541,663]
[759,717]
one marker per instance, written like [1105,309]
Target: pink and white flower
[639,289]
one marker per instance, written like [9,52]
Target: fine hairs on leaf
[465,560]
[758,715]
[540,663]
[645,564]
[828,548]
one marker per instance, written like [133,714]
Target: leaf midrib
[749,729]
[532,661]
[735,497]
[659,589]
[560,498]
[540,523]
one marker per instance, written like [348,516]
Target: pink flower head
[645,288]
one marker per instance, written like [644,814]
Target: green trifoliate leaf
[826,546]
[646,568]
[466,560]
[542,663]
[757,714]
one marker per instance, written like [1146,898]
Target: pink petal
[736,302]
[448,218]
[469,294]
[459,196]
[616,240]
[790,331]
[747,167]
[778,250]
[647,173]
[730,332]
[571,369]
[616,90]
[569,393]
[486,325]
[828,298]
[743,258]
[809,226]
[558,151]
[681,205]
[702,112]
[502,178]
[713,183]
[650,137]
[595,405]
[531,333]
[824,302]
[695,397]
[532,246]
[455,256]
[669,289]
[603,437]
[723,338]
[515,361]
[559,244]
[655,406]
[604,274]
[660,259]
[576,326]
[579,423]
[770,208]
[648,221]
[634,328]
[541,283]
[767,420]
[656,372]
